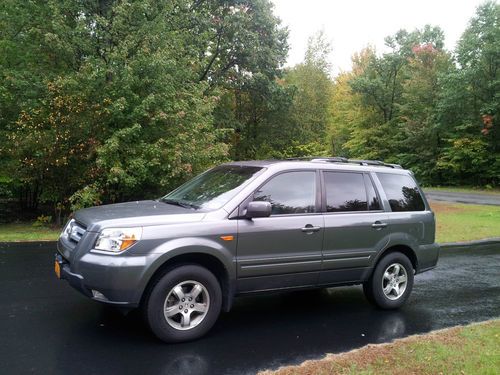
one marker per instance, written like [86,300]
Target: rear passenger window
[402,192]
[345,191]
[290,193]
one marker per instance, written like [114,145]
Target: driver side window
[290,193]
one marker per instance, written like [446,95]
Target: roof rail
[375,162]
[332,159]
[338,159]
[306,158]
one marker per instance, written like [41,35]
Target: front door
[283,250]
[355,226]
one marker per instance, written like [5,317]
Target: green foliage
[305,113]
[422,110]
[88,196]
[301,150]
[469,159]
[119,97]
[42,221]
[6,187]
[470,102]
[117,100]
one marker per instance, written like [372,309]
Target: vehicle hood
[138,213]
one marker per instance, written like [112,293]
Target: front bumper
[75,280]
[113,279]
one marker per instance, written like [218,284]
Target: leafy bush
[42,221]
[87,197]
[6,187]
[298,150]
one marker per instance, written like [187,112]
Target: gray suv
[253,226]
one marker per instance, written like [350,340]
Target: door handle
[310,229]
[378,225]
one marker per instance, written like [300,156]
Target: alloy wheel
[186,305]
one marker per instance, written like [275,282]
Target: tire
[390,273]
[170,313]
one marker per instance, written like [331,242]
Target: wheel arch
[399,248]
[208,261]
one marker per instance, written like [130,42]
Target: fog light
[98,295]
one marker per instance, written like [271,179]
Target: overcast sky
[351,25]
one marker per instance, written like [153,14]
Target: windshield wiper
[179,203]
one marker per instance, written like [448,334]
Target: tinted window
[290,193]
[373,201]
[345,192]
[402,192]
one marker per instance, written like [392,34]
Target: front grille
[74,231]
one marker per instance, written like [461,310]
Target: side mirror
[258,209]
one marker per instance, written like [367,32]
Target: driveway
[47,327]
[471,198]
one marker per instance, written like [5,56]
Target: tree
[123,94]
[246,55]
[310,112]
[391,87]
[470,102]
[420,138]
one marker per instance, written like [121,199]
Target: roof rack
[331,159]
[339,159]
[375,162]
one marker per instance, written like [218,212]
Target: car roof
[323,163]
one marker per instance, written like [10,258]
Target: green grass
[464,222]
[472,349]
[464,189]
[27,232]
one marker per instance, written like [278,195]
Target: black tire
[374,290]
[154,302]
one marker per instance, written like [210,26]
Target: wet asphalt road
[47,327]
[470,198]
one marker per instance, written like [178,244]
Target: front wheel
[391,282]
[184,304]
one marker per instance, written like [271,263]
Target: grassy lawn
[464,222]
[472,349]
[27,232]
[462,189]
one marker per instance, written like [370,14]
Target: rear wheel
[391,282]
[184,304]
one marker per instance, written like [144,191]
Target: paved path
[472,198]
[49,328]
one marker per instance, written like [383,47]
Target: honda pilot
[252,227]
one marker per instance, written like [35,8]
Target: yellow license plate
[57,269]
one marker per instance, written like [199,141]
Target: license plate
[57,269]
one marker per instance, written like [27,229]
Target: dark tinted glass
[290,193]
[373,201]
[345,192]
[214,188]
[402,192]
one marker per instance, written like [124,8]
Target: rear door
[355,226]
[283,250]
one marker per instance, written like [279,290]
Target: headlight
[117,239]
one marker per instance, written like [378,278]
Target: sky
[351,25]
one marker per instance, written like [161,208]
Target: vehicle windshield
[213,189]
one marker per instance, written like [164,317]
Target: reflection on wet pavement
[49,328]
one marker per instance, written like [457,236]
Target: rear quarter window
[402,192]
